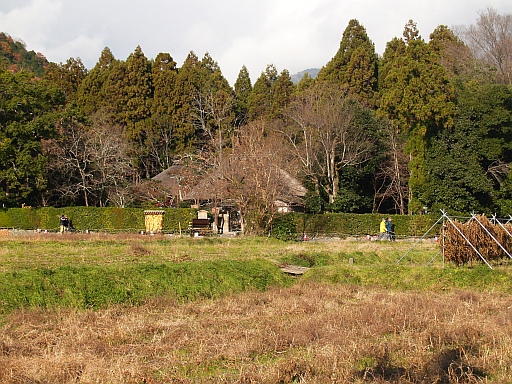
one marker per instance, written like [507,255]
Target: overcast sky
[291,34]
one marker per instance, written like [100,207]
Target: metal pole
[422,237]
[443,233]
[492,237]
[504,228]
[469,242]
[433,258]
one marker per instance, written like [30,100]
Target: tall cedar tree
[91,91]
[260,101]
[243,89]
[67,76]
[355,64]
[454,55]
[271,94]
[161,136]
[129,90]
[187,84]
[418,99]
[282,91]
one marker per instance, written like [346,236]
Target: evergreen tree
[164,73]
[67,76]
[91,93]
[243,89]
[306,82]
[468,167]
[354,65]
[138,90]
[395,49]
[183,99]
[28,116]
[282,90]
[129,91]
[417,98]
[160,137]
[454,55]
[260,102]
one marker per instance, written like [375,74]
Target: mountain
[14,57]
[299,75]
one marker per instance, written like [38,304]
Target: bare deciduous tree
[112,165]
[490,39]
[254,175]
[213,115]
[325,136]
[390,180]
[94,161]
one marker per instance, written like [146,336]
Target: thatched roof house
[185,183]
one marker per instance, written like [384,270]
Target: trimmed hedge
[294,225]
[286,226]
[92,218]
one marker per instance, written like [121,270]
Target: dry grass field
[311,331]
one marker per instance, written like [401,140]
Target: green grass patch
[407,277]
[94,272]
[99,286]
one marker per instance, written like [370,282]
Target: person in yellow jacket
[382,229]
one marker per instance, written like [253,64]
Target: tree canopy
[426,126]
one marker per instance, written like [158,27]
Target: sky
[290,34]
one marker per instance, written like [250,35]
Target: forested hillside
[427,126]
[14,57]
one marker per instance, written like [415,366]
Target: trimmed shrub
[351,224]
[285,226]
[93,218]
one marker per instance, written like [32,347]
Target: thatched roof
[213,187]
[293,186]
[186,183]
[178,179]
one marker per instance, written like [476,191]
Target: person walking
[390,229]
[382,229]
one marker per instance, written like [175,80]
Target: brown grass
[303,334]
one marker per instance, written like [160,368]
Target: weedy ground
[356,316]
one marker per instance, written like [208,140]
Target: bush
[284,227]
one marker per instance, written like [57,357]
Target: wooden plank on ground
[294,269]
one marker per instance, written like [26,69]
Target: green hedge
[294,225]
[287,226]
[92,218]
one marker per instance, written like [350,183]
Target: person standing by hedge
[382,229]
[64,222]
[390,229]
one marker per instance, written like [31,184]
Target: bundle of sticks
[487,238]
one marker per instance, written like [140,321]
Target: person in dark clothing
[390,229]
[64,223]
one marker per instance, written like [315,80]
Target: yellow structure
[153,220]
